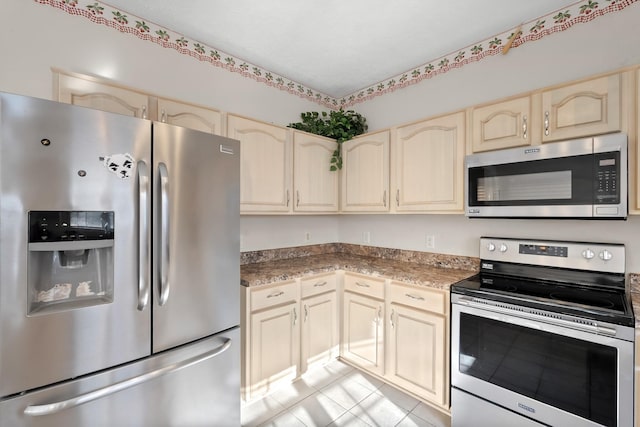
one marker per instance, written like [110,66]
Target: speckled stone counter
[418,268]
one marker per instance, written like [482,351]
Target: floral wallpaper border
[580,12]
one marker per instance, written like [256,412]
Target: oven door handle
[591,327]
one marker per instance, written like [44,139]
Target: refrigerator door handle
[52,408]
[163,293]
[143,229]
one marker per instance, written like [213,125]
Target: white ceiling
[338,47]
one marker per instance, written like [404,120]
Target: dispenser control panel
[67,226]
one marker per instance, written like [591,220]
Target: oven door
[553,374]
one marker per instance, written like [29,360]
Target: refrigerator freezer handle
[143,236]
[163,293]
[52,408]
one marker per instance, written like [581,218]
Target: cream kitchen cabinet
[587,108]
[427,165]
[504,124]
[363,322]
[86,91]
[319,312]
[365,173]
[571,111]
[315,186]
[190,116]
[417,343]
[265,165]
[271,337]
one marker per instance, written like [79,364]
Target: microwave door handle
[52,408]
[163,272]
[143,235]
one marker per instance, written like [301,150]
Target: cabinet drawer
[274,295]
[433,300]
[364,285]
[315,285]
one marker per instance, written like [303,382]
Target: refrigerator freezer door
[192,386]
[53,158]
[196,235]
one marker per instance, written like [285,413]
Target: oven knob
[491,247]
[588,254]
[503,248]
[606,255]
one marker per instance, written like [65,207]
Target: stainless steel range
[543,335]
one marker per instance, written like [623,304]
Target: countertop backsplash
[426,258]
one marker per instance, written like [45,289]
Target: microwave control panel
[607,177]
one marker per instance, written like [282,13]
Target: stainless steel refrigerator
[119,270]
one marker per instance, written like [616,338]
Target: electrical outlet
[366,237]
[430,241]
[307,237]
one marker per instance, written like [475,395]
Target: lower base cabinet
[416,356]
[363,322]
[287,328]
[319,311]
[399,332]
[270,337]
[418,341]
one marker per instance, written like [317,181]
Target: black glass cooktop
[593,297]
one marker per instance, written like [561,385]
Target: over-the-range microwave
[581,178]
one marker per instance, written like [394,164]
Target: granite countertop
[264,273]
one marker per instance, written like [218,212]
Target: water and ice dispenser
[70,262]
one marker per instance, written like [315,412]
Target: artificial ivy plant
[340,125]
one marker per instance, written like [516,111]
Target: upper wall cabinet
[588,108]
[365,168]
[190,116]
[504,124]
[265,165]
[315,186]
[577,110]
[87,91]
[94,94]
[427,165]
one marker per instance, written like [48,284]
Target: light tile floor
[338,395]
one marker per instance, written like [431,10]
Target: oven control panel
[605,257]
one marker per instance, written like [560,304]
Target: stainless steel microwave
[581,178]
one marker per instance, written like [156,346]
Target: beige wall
[607,43]
[34,38]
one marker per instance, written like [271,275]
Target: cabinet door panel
[91,94]
[265,165]
[582,109]
[316,187]
[363,332]
[319,329]
[190,116]
[275,346]
[428,167]
[501,125]
[365,180]
[423,368]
